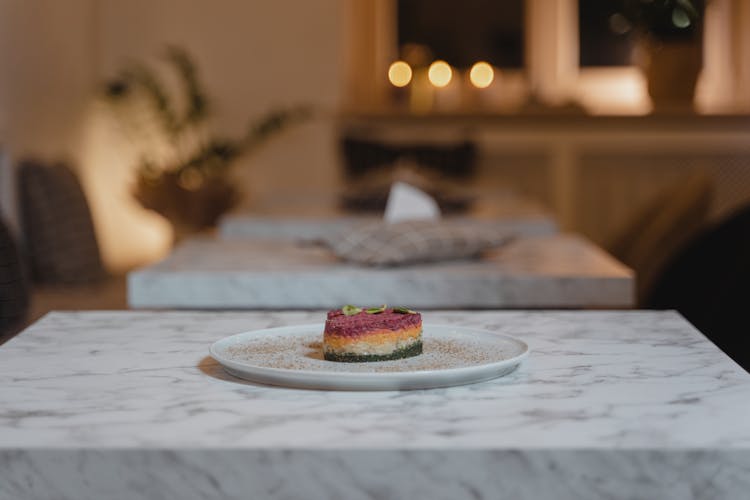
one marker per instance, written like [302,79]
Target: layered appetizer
[355,335]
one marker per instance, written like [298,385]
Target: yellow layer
[380,338]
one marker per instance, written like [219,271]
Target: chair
[456,161]
[14,290]
[708,282]
[57,226]
[661,228]
[61,248]
[372,167]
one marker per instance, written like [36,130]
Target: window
[561,51]
[605,34]
[464,32]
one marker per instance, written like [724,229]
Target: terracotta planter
[672,69]
[188,210]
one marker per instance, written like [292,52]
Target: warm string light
[440,74]
[481,75]
[426,83]
[399,74]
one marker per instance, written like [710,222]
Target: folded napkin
[394,244]
[406,202]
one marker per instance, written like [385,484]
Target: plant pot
[188,210]
[672,69]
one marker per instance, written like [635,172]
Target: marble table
[610,405]
[314,221]
[302,228]
[556,271]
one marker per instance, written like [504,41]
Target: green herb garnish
[375,310]
[403,310]
[350,310]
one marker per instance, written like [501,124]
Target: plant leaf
[196,103]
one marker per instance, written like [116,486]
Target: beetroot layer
[361,323]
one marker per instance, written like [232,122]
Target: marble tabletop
[320,219]
[127,404]
[302,228]
[554,271]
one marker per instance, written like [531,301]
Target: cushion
[14,292]
[57,226]
[382,244]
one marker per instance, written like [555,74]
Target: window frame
[552,71]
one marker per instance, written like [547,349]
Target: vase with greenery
[185,170]
[670,35]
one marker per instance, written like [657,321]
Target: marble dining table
[545,271]
[609,404]
[321,218]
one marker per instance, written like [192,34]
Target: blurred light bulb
[440,73]
[481,75]
[399,73]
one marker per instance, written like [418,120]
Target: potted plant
[184,170]
[671,38]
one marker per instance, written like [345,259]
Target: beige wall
[45,80]
[45,60]
[253,56]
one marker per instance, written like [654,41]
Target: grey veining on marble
[557,271]
[373,475]
[609,405]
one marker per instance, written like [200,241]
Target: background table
[560,271]
[300,228]
[608,405]
[317,219]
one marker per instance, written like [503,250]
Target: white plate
[291,356]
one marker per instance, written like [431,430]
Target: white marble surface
[300,228]
[608,405]
[556,271]
[320,218]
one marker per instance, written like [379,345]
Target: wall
[253,56]
[46,78]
